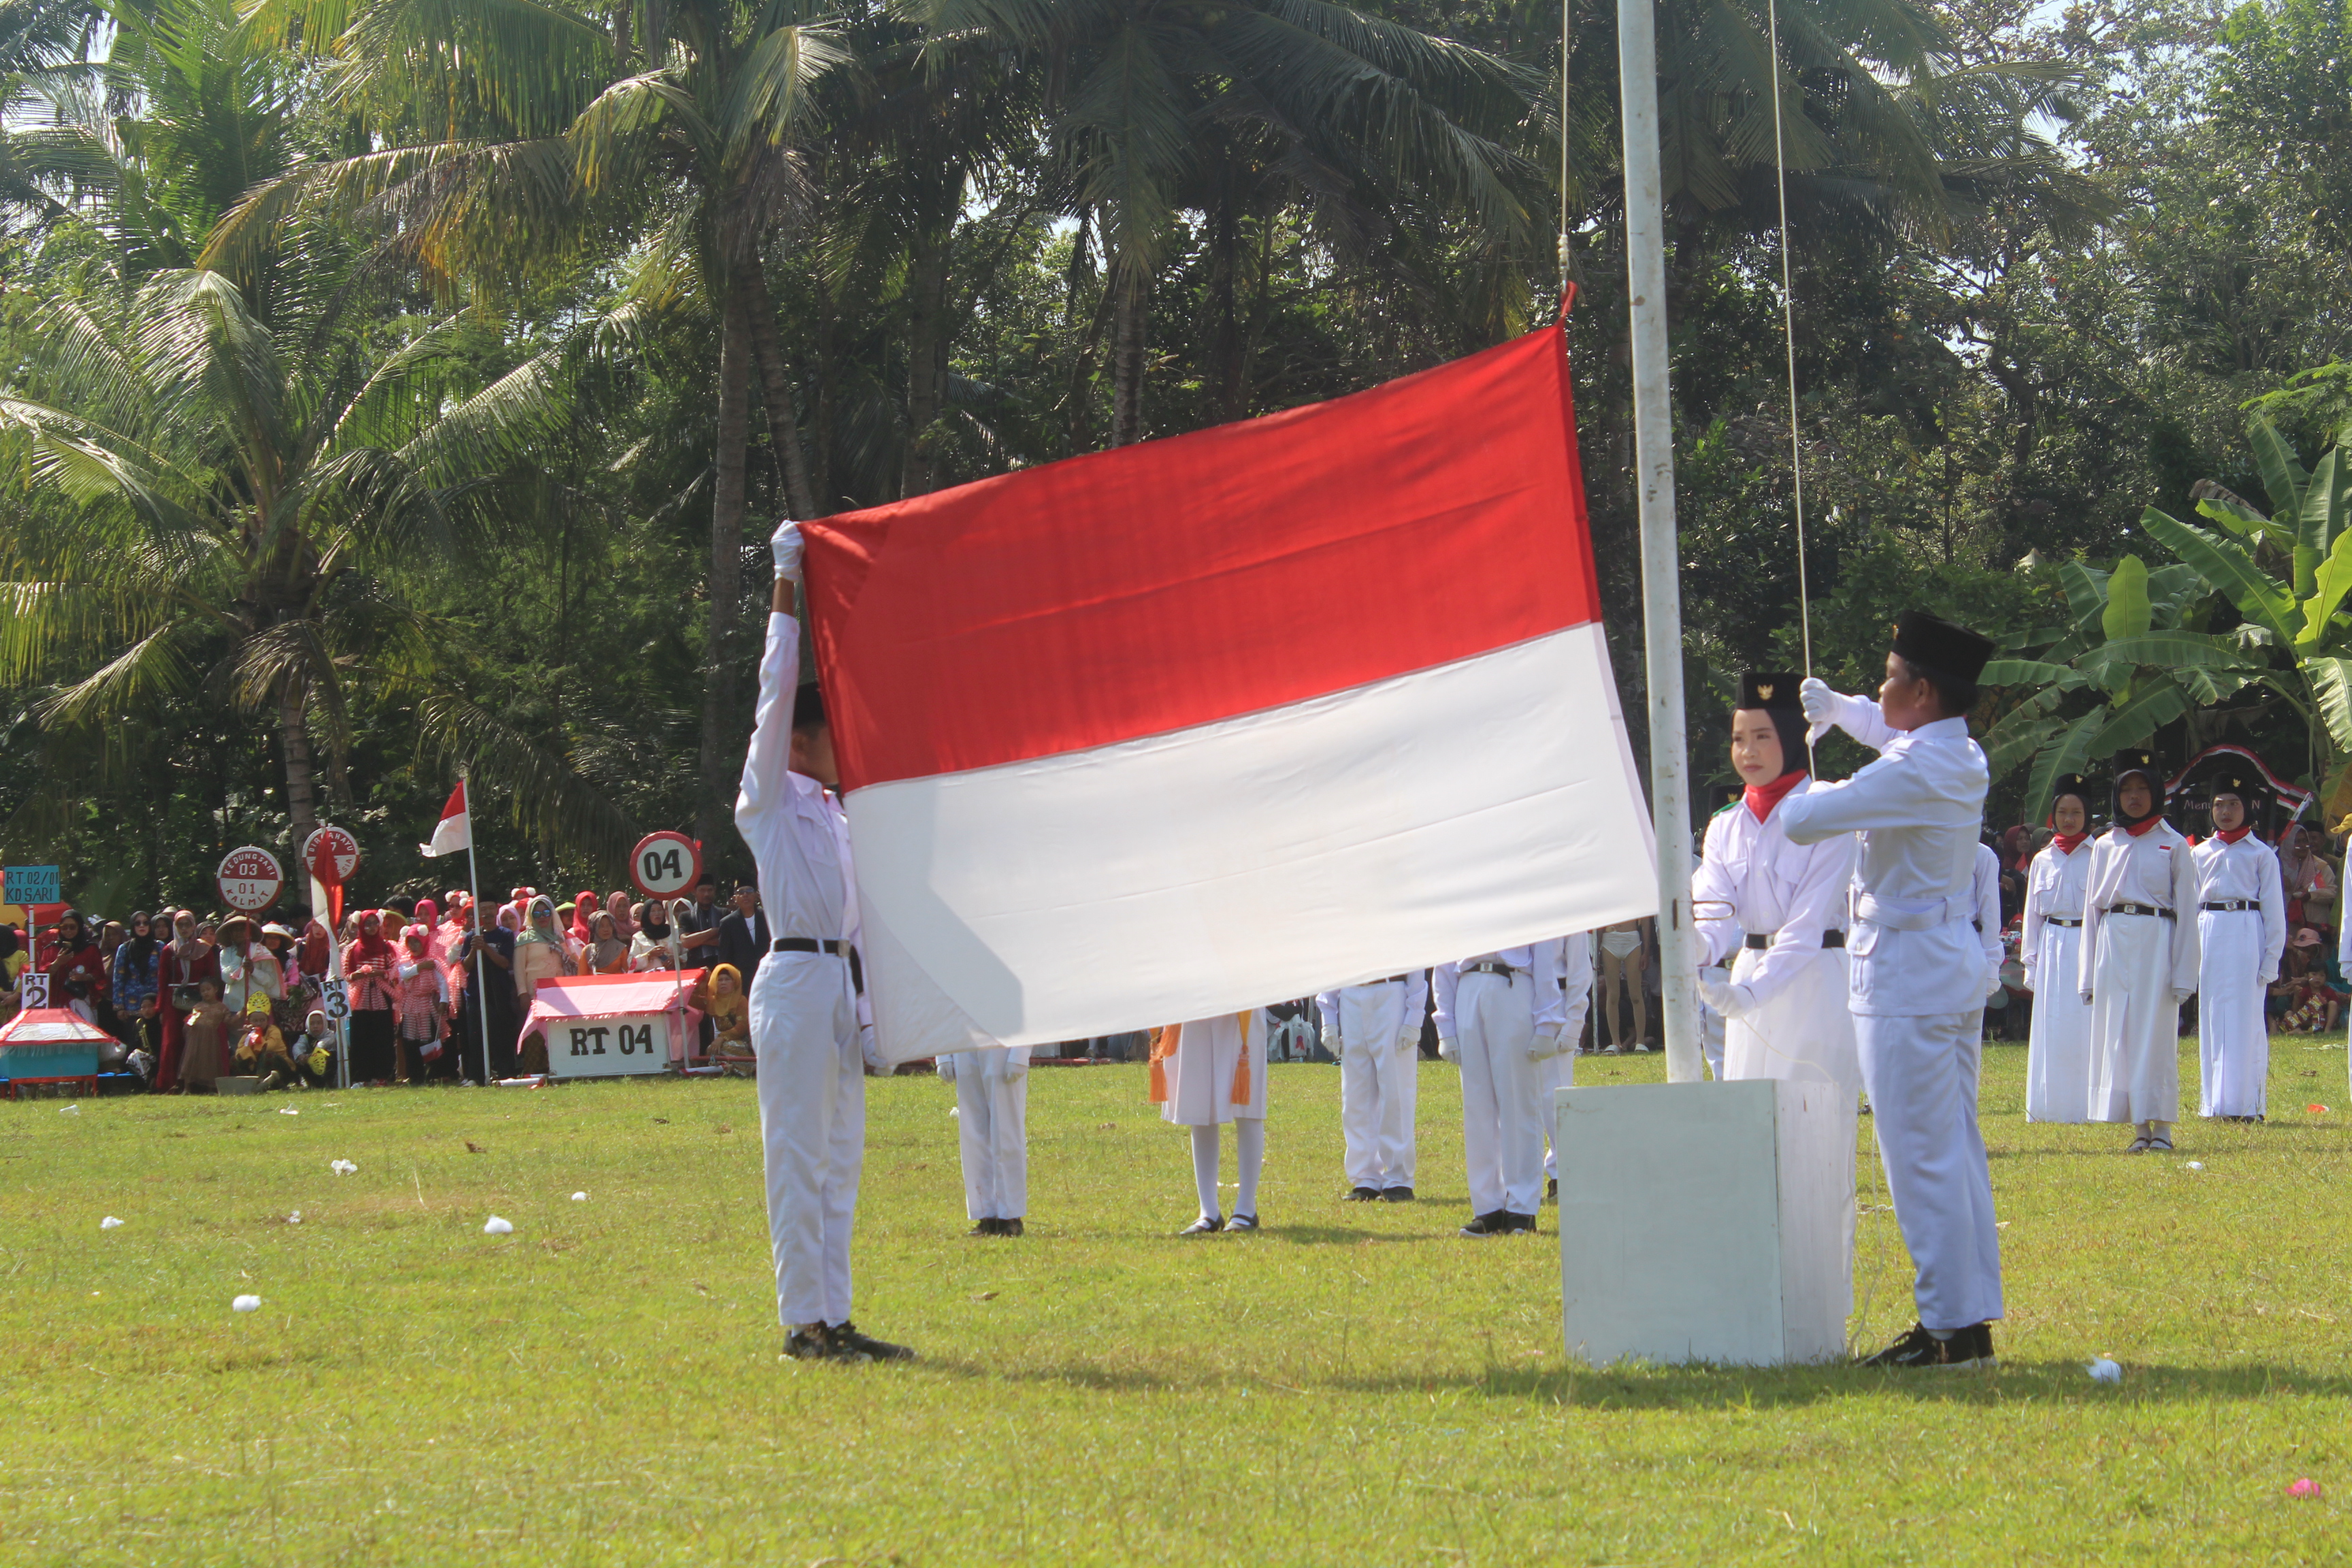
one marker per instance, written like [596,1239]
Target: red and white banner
[456,831]
[1231,718]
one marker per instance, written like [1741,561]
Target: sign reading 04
[665,865]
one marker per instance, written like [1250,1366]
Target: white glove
[784,545]
[1331,1043]
[946,1067]
[1546,1043]
[2087,996]
[870,1049]
[1449,1049]
[1731,1001]
[1015,1070]
[2030,987]
[1821,703]
[1409,1040]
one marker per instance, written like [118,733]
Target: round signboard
[343,850]
[250,879]
[665,865]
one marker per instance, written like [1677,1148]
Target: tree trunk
[623,13]
[1224,286]
[927,288]
[776,394]
[1127,357]
[726,567]
[300,807]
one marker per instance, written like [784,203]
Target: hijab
[583,911]
[543,908]
[655,926]
[369,947]
[143,948]
[724,1007]
[624,921]
[605,951]
[2299,866]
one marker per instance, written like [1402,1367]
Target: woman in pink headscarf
[428,916]
[617,904]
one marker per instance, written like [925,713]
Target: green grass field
[1354,1386]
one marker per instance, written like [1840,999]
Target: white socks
[1249,1146]
[1249,1143]
[1204,1170]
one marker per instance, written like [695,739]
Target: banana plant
[2123,663]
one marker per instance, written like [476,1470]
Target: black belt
[836,948]
[1391,979]
[2228,906]
[1504,970]
[1759,941]
[2062,920]
[2140,909]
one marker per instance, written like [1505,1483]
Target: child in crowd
[314,1051]
[2302,998]
[261,1049]
[420,1005]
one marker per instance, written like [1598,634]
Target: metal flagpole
[474,891]
[1662,610]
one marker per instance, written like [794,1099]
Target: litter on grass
[496,1226]
[109,1223]
[288,1110]
[2194,1165]
[2304,1486]
[246,1304]
[2106,1371]
[580,1198]
[2314,1107]
[68,1110]
[343,1167]
[294,1218]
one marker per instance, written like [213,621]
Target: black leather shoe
[1009,1226]
[987,1227]
[851,1345]
[1969,1348]
[1397,1196]
[812,1343]
[1509,1224]
[1360,1194]
[1552,1189]
[1242,1222]
[1483,1225]
[1205,1225]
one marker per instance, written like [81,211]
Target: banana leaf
[2329,584]
[2331,683]
[2260,597]
[2179,651]
[2127,614]
[2065,755]
[2086,589]
[2027,672]
[2155,704]
[2282,473]
[2008,743]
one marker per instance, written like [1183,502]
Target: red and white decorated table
[613,1025]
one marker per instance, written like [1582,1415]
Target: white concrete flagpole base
[1707,1222]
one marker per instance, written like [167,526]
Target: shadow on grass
[1698,1389]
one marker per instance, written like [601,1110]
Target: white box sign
[607,1047]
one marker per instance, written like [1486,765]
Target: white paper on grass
[109,1223]
[496,1226]
[2106,1371]
[580,1198]
[246,1304]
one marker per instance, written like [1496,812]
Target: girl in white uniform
[1775,911]
[2058,1051]
[2139,958]
[1375,1031]
[2241,931]
[993,1133]
[1204,1074]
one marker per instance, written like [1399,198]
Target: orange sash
[1163,1045]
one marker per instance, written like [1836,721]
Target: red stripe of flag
[1161,586]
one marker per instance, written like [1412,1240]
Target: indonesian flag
[456,831]
[1228,719]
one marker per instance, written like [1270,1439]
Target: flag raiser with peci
[1212,722]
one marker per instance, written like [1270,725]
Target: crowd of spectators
[189,998]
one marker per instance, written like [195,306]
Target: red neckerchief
[1762,798]
[2232,835]
[2069,842]
[2139,829]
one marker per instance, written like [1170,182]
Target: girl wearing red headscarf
[371,966]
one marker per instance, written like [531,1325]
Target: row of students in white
[2121,930]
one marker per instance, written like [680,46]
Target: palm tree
[1156,103]
[224,511]
[525,152]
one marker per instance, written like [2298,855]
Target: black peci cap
[2235,777]
[1920,638]
[808,707]
[2075,785]
[1769,689]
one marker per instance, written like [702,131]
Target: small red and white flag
[456,831]
[1228,719]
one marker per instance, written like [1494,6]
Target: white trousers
[1921,1074]
[1378,1085]
[992,1125]
[2233,1041]
[1502,1122]
[2135,1023]
[812,1080]
[1560,1072]
[2058,1052]
[1805,1032]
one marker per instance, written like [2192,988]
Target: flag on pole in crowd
[1228,719]
[457,829]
